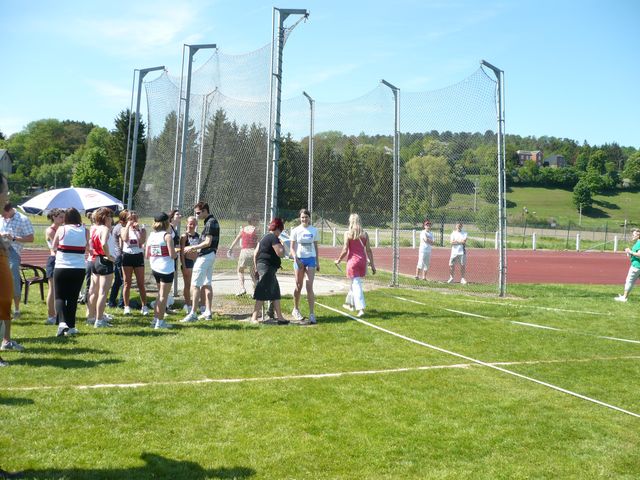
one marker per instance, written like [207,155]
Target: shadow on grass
[15,402]
[156,467]
[67,351]
[62,363]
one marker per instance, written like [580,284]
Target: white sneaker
[312,319]
[205,316]
[186,308]
[72,331]
[106,316]
[202,308]
[101,323]
[62,329]
[463,281]
[127,310]
[191,317]
[160,324]
[90,321]
[297,315]
[346,306]
[144,310]
[12,345]
[620,298]
[450,280]
[360,313]
[154,322]
[50,321]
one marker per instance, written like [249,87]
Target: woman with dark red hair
[266,260]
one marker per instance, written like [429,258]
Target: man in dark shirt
[203,266]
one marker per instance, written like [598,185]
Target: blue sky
[572,68]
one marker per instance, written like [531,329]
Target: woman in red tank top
[248,238]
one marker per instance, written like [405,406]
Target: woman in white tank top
[161,253]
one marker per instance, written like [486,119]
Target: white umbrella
[82,199]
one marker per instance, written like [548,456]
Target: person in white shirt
[458,253]
[161,253]
[424,253]
[304,250]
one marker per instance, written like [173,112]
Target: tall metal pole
[185,124]
[396,183]
[177,144]
[203,127]
[276,96]
[134,152]
[310,176]
[502,180]
[126,155]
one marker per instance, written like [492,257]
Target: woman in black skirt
[267,261]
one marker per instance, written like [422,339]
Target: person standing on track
[458,241]
[357,248]
[424,254]
[634,270]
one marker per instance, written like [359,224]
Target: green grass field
[226,399]
[556,203]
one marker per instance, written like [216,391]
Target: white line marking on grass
[586,312]
[447,309]
[534,325]
[480,362]
[305,376]
[238,380]
[537,326]
[620,339]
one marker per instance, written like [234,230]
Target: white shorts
[424,259]
[203,270]
[461,259]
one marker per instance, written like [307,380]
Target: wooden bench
[30,275]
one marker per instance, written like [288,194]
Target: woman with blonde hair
[133,236]
[358,251]
[102,266]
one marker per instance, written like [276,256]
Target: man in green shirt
[634,270]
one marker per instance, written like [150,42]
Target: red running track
[523,266]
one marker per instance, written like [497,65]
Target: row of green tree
[50,153]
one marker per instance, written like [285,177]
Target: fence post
[533,240]
[578,242]
[615,243]
[333,240]
[566,244]
[377,236]
[496,241]
[413,238]
[606,231]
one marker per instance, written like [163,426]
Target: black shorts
[134,260]
[188,263]
[51,265]
[102,266]
[163,277]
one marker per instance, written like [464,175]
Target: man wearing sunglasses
[203,266]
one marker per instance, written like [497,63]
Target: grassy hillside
[556,203]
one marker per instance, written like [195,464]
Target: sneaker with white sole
[191,317]
[144,310]
[107,317]
[205,316]
[154,322]
[346,306]
[12,345]
[3,363]
[90,321]
[50,321]
[62,329]
[463,281]
[16,314]
[297,315]
[312,319]
[186,308]
[450,280]
[161,324]
[360,313]
[127,310]
[620,298]
[72,331]
[101,323]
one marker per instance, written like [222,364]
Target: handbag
[102,265]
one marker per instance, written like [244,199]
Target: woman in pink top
[248,238]
[358,251]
